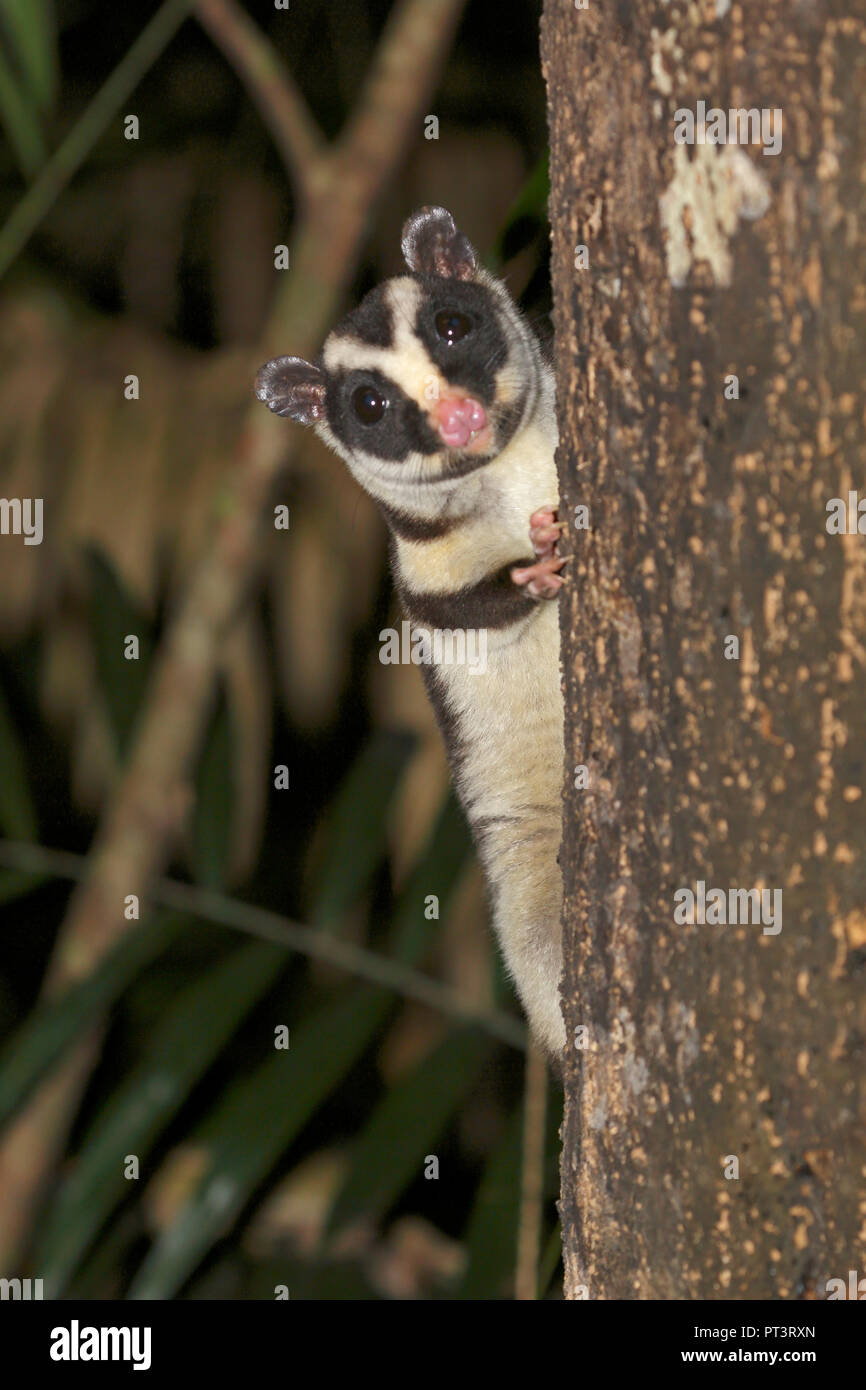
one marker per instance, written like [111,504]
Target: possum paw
[543,580]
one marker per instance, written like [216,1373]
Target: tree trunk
[714,644]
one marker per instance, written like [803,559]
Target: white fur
[511,717]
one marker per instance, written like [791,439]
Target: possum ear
[290,386]
[432,245]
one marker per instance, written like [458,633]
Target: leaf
[491,1235]
[17,816]
[29,25]
[16,884]
[531,201]
[55,1026]
[405,1124]
[21,121]
[332,1281]
[263,1114]
[196,1026]
[255,1122]
[213,815]
[113,617]
[530,206]
[82,137]
[438,871]
[357,829]
[551,1260]
[99,1276]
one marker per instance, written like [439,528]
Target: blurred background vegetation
[259,1166]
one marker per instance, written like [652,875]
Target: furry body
[435,393]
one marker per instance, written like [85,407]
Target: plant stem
[73,151]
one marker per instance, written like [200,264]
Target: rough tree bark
[708,520]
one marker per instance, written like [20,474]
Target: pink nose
[457,419]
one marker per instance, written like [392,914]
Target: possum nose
[457,419]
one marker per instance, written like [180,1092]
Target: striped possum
[435,393]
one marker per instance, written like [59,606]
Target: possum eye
[368,405]
[452,326]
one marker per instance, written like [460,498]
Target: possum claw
[542,579]
[544,531]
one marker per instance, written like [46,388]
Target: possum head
[427,380]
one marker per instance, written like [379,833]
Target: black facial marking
[368,404]
[494,602]
[509,418]
[471,358]
[401,430]
[452,326]
[372,322]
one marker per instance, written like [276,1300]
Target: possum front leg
[543,579]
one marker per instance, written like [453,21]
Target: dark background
[157,259]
